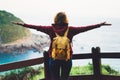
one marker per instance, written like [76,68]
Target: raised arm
[90,27]
[27,25]
[44,29]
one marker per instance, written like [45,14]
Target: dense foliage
[88,69]
[10,32]
[33,73]
[27,73]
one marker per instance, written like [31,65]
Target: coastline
[37,42]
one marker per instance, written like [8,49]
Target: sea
[105,37]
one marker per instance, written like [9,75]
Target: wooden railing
[96,56]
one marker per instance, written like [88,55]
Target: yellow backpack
[61,47]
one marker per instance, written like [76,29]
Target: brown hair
[60,18]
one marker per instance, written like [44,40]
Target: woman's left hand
[105,24]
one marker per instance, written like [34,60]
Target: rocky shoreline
[36,42]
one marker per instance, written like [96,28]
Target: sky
[78,11]
[46,9]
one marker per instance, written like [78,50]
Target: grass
[38,73]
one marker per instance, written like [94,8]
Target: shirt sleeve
[77,30]
[45,29]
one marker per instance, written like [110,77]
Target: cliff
[8,31]
[14,37]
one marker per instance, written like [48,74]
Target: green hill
[8,31]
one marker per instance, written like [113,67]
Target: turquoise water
[14,57]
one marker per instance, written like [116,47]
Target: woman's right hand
[18,23]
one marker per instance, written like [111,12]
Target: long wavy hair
[61,18]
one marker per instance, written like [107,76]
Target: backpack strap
[65,34]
